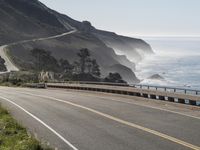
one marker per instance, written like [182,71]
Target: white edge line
[183,143]
[36,118]
[165,136]
[111,99]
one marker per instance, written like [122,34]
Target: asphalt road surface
[77,120]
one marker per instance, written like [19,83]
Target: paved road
[9,65]
[93,121]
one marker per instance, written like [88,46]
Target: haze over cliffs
[30,19]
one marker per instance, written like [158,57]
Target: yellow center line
[127,102]
[170,138]
[132,103]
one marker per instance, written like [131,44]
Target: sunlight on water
[176,59]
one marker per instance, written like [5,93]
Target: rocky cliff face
[134,49]
[30,19]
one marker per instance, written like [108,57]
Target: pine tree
[84,56]
[95,68]
[65,66]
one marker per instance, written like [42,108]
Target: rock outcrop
[156,77]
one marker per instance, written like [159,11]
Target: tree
[44,60]
[76,67]
[2,64]
[89,65]
[65,66]
[95,70]
[84,57]
[114,78]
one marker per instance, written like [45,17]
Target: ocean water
[175,59]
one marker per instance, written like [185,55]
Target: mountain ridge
[97,41]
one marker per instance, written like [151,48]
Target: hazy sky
[135,17]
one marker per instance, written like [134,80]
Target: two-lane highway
[94,121]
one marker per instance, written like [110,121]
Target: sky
[135,17]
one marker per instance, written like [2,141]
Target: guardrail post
[191,102]
[152,96]
[145,95]
[170,99]
[182,101]
[138,94]
[162,98]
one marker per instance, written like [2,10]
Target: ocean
[176,59]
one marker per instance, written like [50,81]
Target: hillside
[30,19]
[26,19]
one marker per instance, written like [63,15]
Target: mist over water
[175,59]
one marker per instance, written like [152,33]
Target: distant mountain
[30,19]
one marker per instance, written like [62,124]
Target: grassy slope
[13,136]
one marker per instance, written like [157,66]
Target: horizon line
[165,36]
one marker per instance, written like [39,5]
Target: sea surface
[176,59]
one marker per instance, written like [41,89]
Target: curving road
[74,120]
[10,65]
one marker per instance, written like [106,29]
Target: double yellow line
[159,134]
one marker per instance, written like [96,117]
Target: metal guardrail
[132,91]
[36,85]
[94,83]
[168,89]
[160,93]
[150,87]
